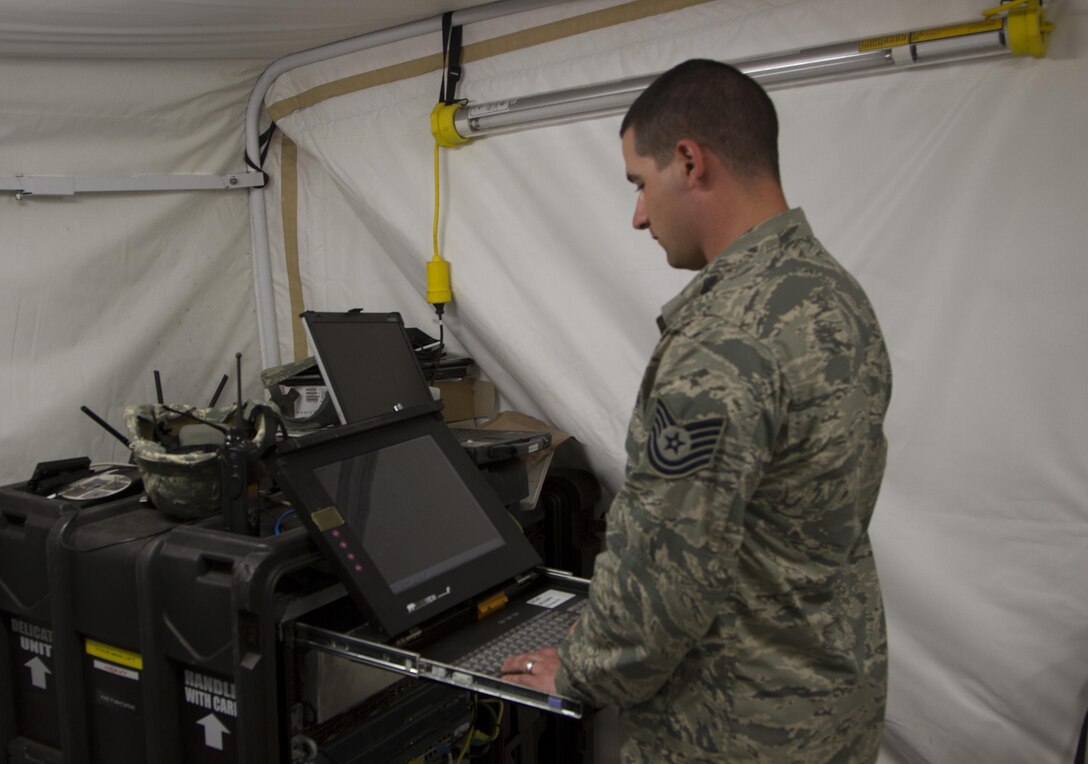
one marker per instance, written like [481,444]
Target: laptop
[425,548]
[370,367]
[367,362]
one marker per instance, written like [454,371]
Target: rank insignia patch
[677,450]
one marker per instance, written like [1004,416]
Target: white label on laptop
[550,599]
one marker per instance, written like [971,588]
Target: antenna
[219,390]
[105,425]
[158,387]
[238,379]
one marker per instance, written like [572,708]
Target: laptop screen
[367,362]
[383,499]
[405,515]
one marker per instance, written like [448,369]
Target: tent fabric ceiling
[197,29]
[484,41]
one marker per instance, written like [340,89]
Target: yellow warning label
[114,655]
[884,41]
[927,35]
[956,30]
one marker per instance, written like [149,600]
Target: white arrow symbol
[213,731]
[38,671]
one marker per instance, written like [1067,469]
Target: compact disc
[96,487]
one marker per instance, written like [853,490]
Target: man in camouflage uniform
[735,614]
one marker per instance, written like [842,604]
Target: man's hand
[536,669]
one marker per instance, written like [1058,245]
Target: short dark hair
[713,104]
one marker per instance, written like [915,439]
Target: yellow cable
[1004,8]
[511,515]
[438,270]
[436,204]
[471,729]
[498,719]
[468,739]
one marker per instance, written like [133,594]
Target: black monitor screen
[411,525]
[412,512]
[368,363]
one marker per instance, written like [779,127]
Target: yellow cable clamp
[442,127]
[1026,27]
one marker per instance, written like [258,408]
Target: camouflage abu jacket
[735,614]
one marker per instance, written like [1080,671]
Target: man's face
[662,207]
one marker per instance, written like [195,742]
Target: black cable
[441,342]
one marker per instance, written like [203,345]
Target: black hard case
[193,614]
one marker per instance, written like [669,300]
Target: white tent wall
[101,289]
[335,274]
[953,193]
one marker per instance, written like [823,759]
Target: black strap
[264,143]
[451,58]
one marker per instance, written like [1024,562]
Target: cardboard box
[467,399]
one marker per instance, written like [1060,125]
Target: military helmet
[176,449]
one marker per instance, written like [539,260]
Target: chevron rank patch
[678,450]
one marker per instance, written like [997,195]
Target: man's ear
[692,159]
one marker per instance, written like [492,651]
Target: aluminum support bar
[63,185]
[262,257]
